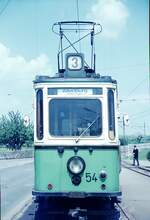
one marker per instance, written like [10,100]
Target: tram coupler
[116,199]
[80,214]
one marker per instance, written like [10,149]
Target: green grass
[3,149]
[143,154]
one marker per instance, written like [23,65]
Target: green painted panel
[50,167]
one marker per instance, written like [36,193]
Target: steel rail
[137,169]
[124,212]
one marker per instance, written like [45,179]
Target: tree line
[13,131]
[134,139]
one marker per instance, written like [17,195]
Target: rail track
[116,212]
[141,170]
[124,214]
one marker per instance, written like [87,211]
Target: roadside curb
[17,212]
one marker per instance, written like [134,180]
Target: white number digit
[74,62]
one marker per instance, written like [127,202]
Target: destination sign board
[74,91]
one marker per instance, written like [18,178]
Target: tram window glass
[70,117]
[52,91]
[97,91]
[39,114]
[111,114]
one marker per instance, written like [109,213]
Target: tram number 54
[90,177]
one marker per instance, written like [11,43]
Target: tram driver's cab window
[111,114]
[71,117]
[39,114]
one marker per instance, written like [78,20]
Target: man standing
[135,156]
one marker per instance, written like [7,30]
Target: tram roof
[48,79]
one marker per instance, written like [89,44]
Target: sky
[28,47]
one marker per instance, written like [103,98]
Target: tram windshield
[70,117]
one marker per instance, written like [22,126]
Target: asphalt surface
[136,194]
[16,185]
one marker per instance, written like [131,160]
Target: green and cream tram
[76,130]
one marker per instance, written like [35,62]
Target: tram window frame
[86,136]
[39,114]
[111,114]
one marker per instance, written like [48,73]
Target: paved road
[16,185]
[136,194]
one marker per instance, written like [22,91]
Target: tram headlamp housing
[76,180]
[76,165]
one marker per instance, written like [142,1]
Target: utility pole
[144,129]
[125,122]
[124,133]
[149,80]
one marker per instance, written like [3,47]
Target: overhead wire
[134,100]
[136,129]
[133,90]
[145,115]
[139,113]
[4,8]
[128,67]
[138,85]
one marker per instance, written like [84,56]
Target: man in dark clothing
[135,156]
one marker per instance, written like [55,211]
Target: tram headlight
[76,165]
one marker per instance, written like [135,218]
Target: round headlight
[76,165]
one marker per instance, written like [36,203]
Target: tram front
[76,135]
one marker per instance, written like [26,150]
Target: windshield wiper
[77,139]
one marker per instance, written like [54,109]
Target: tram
[76,129]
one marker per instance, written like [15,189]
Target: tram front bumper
[76,194]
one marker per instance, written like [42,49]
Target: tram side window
[111,114]
[39,114]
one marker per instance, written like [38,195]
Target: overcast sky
[28,47]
